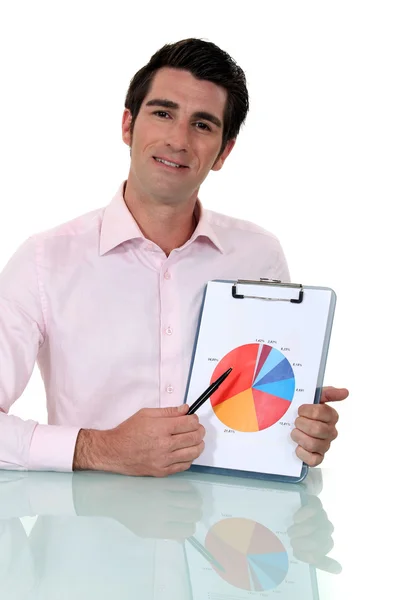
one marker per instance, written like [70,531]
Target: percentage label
[297,365]
[272,342]
[260,341]
[213,359]
[285,349]
[299,390]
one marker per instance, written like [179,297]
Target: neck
[168,226]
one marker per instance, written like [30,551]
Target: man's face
[181,122]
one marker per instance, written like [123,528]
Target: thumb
[169,411]
[332,394]
[329,565]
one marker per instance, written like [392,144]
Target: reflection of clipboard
[276,337]
[243,547]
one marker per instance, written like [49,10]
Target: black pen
[210,390]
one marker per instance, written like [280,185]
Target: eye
[202,126]
[161,113]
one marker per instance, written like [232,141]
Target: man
[108,303]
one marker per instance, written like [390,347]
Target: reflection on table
[186,537]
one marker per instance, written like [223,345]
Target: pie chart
[251,556]
[259,390]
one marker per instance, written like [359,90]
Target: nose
[178,138]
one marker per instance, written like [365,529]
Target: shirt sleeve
[24,444]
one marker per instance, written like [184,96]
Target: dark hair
[204,60]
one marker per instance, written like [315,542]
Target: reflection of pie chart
[252,557]
[259,390]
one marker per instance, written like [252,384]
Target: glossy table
[187,537]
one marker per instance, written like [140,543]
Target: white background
[317,162]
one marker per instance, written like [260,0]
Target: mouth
[169,164]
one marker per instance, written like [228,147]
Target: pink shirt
[110,320]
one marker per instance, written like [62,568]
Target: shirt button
[167,275]
[168,331]
[170,389]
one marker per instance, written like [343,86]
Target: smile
[169,163]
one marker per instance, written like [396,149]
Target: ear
[126,125]
[220,161]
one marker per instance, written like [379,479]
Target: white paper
[293,335]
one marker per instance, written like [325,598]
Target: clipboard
[276,337]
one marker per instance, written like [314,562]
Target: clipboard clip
[269,282]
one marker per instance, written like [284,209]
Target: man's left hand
[315,427]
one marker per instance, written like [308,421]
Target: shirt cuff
[52,448]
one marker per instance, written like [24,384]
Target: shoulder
[31,250]
[70,241]
[83,224]
[233,229]
[249,246]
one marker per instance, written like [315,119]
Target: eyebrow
[206,116]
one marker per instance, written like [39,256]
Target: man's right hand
[154,441]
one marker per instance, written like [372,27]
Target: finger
[186,454]
[174,487]
[332,394]
[312,459]
[177,468]
[167,412]
[327,564]
[316,546]
[186,440]
[319,412]
[323,563]
[309,443]
[183,514]
[189,500]
[311,527]
[170,469]
[183,424]
[309,510]
[316,429]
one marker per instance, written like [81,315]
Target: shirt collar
[119,226]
